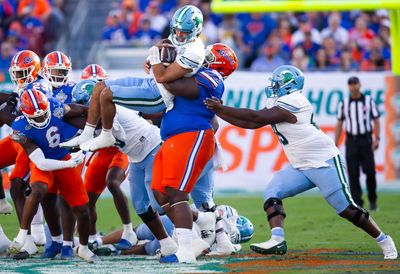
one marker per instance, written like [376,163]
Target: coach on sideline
[358,111]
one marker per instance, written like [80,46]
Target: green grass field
[311,228]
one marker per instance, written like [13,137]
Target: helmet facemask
[22,76]
[40,119]
[57,76]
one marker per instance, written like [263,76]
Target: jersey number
[281,138]
[53,137]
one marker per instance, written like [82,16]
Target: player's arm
[6,116]
[37,156]
[338,131]
[75,115]
[185,87]
[248,118]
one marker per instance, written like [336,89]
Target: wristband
[154,56]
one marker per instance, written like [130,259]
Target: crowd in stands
[28,24]
[328,41]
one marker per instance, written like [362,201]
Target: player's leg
[51,211]
[73,191]
[5,207]
[115,177]
[353,161]
[68,222]
[92,119]
[37,228]
[336,192]
[368,167]
[285,183]
[144,202]
[194,150]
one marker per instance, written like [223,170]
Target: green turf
[310,222]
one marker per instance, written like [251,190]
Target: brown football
[167,51]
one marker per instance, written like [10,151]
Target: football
[167,52]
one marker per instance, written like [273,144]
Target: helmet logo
[287,77]
[197,20]
[226,56]
[27,60]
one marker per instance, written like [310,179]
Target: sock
[166,241]
[278,234]
[22,234]
[184,236]
[67,243]
[58,239]
[106,131]
[89,129]
[92,238]
[38,218]
[381,237]
[84,251]
[128,228]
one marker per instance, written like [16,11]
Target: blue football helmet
[83,91]
[246,229]
[188,19]
[285,80]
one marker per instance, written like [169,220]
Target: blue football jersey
[64,93]
[49,137]
[191,114]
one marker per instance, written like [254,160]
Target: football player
[106,167]
[56,67]
[39,131]
[146,94]
[24,69]
[314,159]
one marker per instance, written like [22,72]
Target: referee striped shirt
[358,114]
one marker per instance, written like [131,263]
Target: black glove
[13,99]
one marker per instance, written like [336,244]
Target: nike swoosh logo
[279,246]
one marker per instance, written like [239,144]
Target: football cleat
[123,245]
[52,250]
[86,254]
[38,235]
[5,207]
[199,247]
[181,256]
[168,248]
[22,255]
[270,247]
[388,248]
[67,253]
[75,142]
[29,248]
[100,141]
[16,246]
[223,246]
[4,242]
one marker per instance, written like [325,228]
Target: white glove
[154,56]
[77,158]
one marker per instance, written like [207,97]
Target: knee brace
[357,218]
[149,215]
[276,204]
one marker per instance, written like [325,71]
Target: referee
[359,112]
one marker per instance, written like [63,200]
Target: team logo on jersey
[58,112]
[28,127]
[61,96]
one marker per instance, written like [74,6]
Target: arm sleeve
[340,112]
[374,110]
[38,158]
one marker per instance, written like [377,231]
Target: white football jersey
[191,56]
[305,145]
[135,136]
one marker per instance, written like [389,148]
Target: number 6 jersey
[305,145]
[47,138]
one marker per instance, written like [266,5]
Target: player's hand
[147,67]
[214,104]
[77,158]
[13,99]
[375,145]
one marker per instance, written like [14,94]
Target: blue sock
[381,237]
[278,232]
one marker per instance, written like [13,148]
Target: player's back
[49,137]
[191,114]
[304,143]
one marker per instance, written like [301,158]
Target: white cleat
[181,256]
[16,246]
[5,207]
[86,254]
[29,246]
[199,247]
[4,243]
[207,227]
[100,141]
[272,246]
[75,142]
[388,248]
[168,248]
[223,247]
[38,234]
